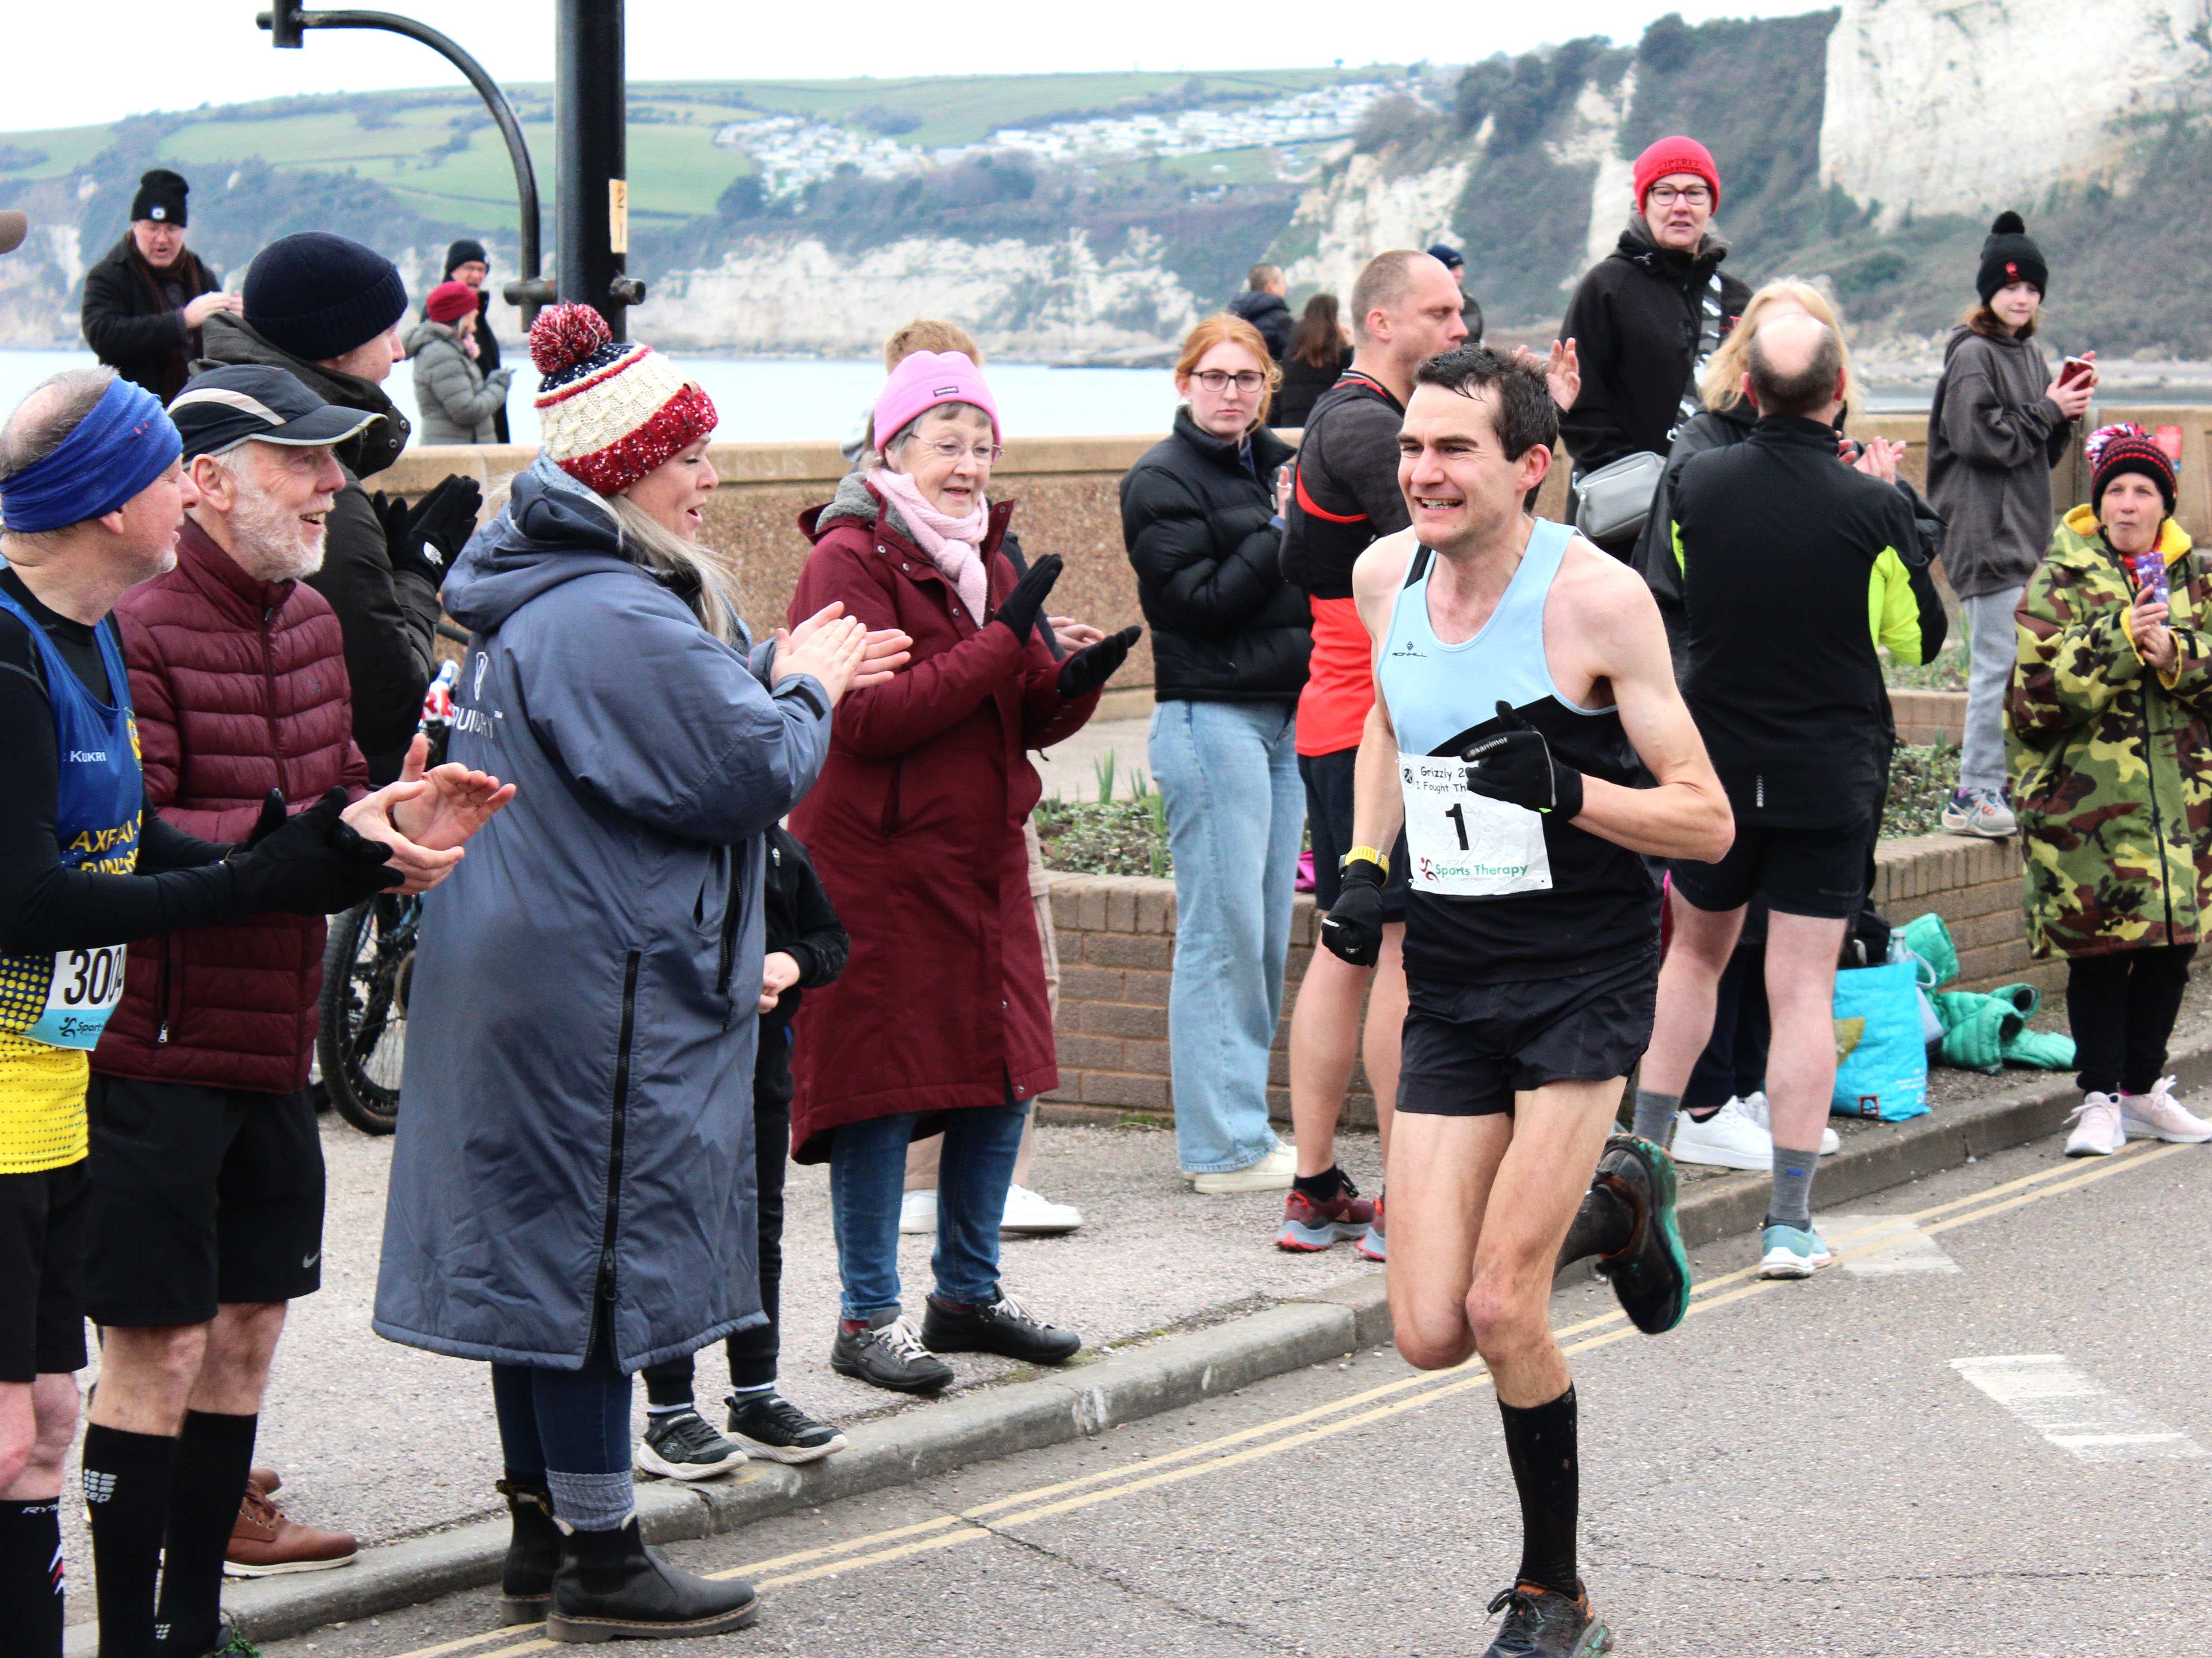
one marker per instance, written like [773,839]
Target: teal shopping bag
[1881,1063]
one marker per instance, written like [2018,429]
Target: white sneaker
[1756,1107]
[1730,1138]
[1979,811]
[1035,1215]
[2097,1131]
[2158,1116]
[1272,1173]
[918,1211]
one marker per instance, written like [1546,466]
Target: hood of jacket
[1640,248]
[552,529]
[1253,304]
[426,332]
[229,339]
[2080,544]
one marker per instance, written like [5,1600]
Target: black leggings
[2121,1008]
[1734,1064]
[752,1353]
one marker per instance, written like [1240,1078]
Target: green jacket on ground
[458,402]
[2111,761]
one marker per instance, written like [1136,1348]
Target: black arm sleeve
[114,332]
[44,906]
[822,941]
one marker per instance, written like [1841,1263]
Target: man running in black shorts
[1523,690]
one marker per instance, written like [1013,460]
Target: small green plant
[1103,770]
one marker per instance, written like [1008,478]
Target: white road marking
[2072,1412]
[1912,1252]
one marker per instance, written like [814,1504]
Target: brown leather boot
[266,1542]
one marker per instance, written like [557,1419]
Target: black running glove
[1352,929]
[313,864]
[422,540]
[1019,608]
[1516,766]
[1090,668]
[271,819]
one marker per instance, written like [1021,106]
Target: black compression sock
[1701,1114]
[1322,1186]
[1539,1442]
[205,1488]
[31,1576]
[126,1492]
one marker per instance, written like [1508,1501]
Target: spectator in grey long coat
[458,401]
[572,1193]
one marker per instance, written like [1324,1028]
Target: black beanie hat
[462,251]
[161,197]
[318,295]
[2009,256]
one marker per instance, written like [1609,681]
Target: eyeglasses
[1667,194]
[1216,380]
[951,449]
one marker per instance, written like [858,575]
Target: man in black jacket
[1262,305]
[467,262]
[1647,316]
[327,311]
[145,302]
[1785,557]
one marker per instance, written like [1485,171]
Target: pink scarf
[952,543]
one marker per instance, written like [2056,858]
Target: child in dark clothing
[806,946]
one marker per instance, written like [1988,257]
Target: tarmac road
[1828,1468]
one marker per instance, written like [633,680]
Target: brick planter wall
[1117,942]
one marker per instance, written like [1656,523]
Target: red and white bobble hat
[609,413]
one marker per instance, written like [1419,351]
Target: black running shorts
[199,1196]
[1819,872]
[1328,778]
[1469,1048]
[42,1222]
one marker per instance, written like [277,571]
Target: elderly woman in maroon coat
[940,1019]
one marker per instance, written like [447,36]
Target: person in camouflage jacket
[2110,760]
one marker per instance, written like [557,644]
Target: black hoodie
[1634,322]
[1268,312]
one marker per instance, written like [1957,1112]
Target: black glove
[1352,929]
[1019,608]
[271,819]
[423,540]
[313,864]
[1090,668]
[1516,766]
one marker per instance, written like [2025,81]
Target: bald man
[1785,555]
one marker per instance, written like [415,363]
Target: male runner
[1522,685]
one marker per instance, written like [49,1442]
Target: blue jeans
[867,1179]
[1229,772]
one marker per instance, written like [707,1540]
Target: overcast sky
[74,64]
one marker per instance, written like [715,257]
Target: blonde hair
[929,334]
[660,551]
[1720,386]
[1222,328]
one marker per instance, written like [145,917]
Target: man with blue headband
[91,496]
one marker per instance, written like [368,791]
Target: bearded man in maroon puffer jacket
[206,1167]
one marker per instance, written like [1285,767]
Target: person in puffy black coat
[1201,518]
[1262,305]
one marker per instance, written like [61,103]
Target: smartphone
[2075,368]
[2150,575]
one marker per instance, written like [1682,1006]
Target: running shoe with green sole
[1650,1273]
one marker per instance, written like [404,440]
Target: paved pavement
[2006,1458]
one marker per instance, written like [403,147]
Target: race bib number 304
[86,985]
[1465,845]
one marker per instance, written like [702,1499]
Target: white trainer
[1272,1173]
[1035,1216]
[1730,1138]
[918,1211]
[1756,1107]
[2097,1131]
[2158,1116]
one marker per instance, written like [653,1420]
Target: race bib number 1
[86,985]
[1465,845]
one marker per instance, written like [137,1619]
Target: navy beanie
[318,296]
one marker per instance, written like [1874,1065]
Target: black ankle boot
[611,1587]
[533,1552]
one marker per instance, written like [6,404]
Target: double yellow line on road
[1303,1427]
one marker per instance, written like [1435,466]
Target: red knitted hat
[609,413]
[2112,450]
[1675,154]
[448,302]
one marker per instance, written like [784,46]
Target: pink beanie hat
[923,381]
[448,302]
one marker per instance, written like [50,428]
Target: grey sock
[1792,1202]
[1655,1114]
[591,1502]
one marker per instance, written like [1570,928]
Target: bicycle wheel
[361,1035]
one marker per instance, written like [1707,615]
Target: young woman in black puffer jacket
[1201,518]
